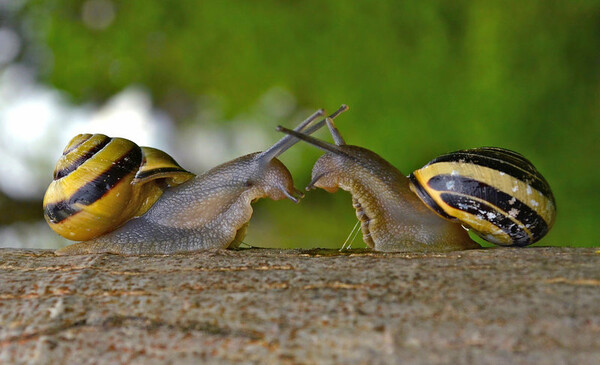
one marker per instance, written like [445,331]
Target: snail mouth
[365,222]
[327,186]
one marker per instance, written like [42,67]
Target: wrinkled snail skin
[392,217]
[495,192]
[210,211]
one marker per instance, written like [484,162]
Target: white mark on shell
[501,173]
[450,185]
[534,203]
[515,189]
[512,201]
[491,215]
[513,212]
[454,173]
[528,190]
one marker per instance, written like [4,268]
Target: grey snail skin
[495,192]
[208,211]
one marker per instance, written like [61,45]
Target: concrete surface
[529,306]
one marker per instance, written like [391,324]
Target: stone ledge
[533,305]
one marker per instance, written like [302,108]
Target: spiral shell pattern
[496,192]
[101,182]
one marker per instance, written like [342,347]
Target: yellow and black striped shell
[495,192]
[102,182]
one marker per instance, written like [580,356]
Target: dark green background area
[421,79]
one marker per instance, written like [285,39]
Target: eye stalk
[288,141]
[325,146]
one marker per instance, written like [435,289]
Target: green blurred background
[421,79]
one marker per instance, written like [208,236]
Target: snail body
[495,192]
[211,210]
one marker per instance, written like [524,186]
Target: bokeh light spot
[98,14]
[10,44]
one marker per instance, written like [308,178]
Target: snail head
[276,179]
[341,162]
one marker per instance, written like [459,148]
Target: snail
[495,192]
[120,198]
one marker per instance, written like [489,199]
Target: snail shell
[101,182]
[496,192]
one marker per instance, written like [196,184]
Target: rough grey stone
[529,306]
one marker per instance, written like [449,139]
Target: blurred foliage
[421,78]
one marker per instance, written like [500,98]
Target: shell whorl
[496,192]
[101,182]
